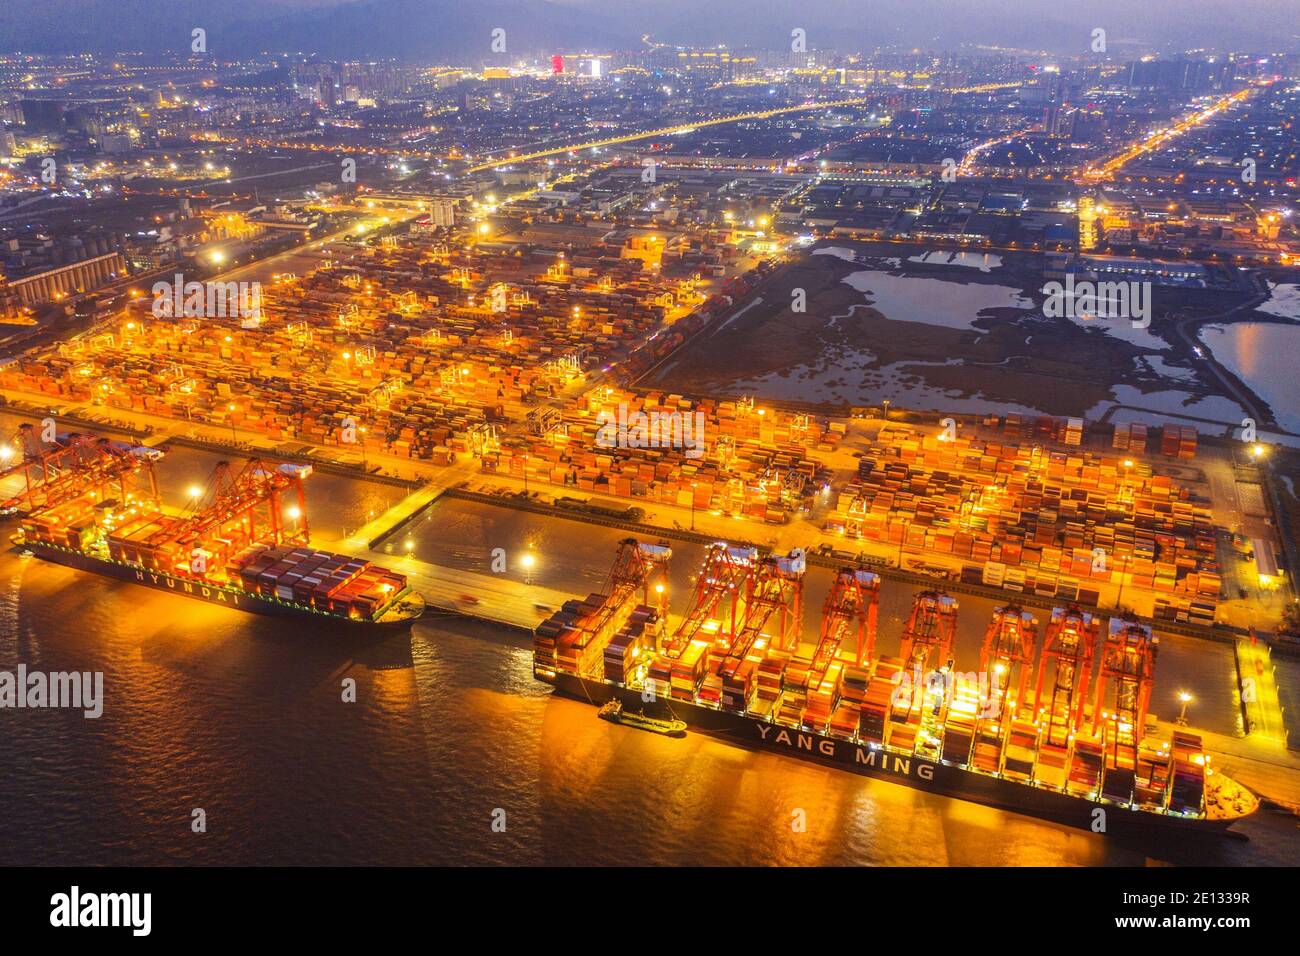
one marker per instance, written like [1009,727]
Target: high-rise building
[442,212]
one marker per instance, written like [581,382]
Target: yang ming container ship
[734,668]
[243,541]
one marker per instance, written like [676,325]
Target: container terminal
[1053,725]
[497,354]
[243,540]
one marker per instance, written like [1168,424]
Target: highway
[1157,139]
[670,131]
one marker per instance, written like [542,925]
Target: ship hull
[920,773]
[234,598]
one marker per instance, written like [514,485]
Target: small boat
[614,713]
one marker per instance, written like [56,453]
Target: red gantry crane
[635,565]
[774,586]
[1070,645]
[930,628]
[854,599]
[1007,657]
[73,465]
[1128,662]
[236,509]
[722,579]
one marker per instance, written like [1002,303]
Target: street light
[1185,699]
[234,440]
[1119,598]
[693,487]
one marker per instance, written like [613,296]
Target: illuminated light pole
[1184,698]
[234,440]
[694,485]
[1119,598]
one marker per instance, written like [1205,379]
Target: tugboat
[614,713]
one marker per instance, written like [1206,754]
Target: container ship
[1073,744]
[242,541]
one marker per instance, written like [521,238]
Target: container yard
[409,342]
[1026,518]
[1054,723]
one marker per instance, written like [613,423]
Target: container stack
[1085,766]
[1151,781]
[1178,441]
[771,673]
[1131,438]
[823,698]
[853,693]
[1021,750]
[878,701]
[1187,789]
[1051,769]
[625,648]
[1028,520]
[959,726]
[687,671]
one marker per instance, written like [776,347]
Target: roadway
[670,131]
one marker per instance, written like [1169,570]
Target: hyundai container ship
[242,541]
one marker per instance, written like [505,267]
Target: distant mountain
[459,31]
[440,30]
[80,26]
[947,24]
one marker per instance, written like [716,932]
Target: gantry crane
[854,599]
[74,465]
[774,585]
[1070,643]
[930,628]
[722,578]
[1007,657]
[244,507]
[1128,661]
[636,567]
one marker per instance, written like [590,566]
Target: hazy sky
[437,27]
[1149,20]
